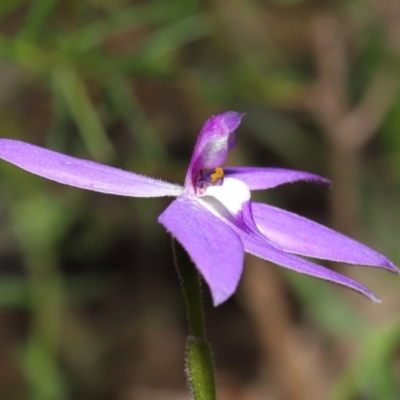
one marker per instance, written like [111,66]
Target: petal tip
[393,268]
[232,119]
[321,181]
[219,297]
[388,265]
[327,182]
[220,294]
[370,295]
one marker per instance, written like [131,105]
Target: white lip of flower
[227,198]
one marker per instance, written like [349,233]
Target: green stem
[200,368]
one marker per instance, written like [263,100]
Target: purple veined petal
[81,173]
[215,140]
[267,178]
[299,235]
[260,248]
[256,243]
[215,248]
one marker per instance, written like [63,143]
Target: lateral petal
[213,246]
[81,173]
[256,243]
[261,248]
[267,178]
[299,235]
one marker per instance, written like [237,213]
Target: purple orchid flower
[213,216]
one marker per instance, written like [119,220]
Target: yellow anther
[218,174]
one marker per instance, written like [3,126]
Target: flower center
[213,177]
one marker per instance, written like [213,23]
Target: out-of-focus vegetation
[90,307]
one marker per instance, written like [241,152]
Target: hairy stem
[199,362]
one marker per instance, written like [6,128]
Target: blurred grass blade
[26,54]
[38,14]
[129,108]
[174,36]
[84,114]
[148,13]
[287,139]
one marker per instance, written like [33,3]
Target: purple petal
[82,173]
[255,243]
[267,178]
[299,235]
[215,140]
[256,246]
[215,248]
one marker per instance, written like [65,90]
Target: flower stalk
[199,362]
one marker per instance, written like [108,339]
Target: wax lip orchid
[213,216]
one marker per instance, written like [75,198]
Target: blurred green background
[90,305]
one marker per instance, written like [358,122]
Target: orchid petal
[299,235]
[215,140]
[83,173]
[256,243]
[253,244]
[215,249]
[267,178]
